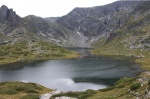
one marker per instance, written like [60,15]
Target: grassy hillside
[28,51]
[126,88]
[20,90]
[131,40]
[127,44]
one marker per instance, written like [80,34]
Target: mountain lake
[86,72]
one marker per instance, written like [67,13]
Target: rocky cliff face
[8,20]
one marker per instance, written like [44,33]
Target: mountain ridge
[81,27]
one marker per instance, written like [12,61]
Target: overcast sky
[49,8]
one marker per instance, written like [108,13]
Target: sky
[49,8]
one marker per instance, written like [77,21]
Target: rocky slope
[31,28]
[82,27]
[104,23]
[132,38]
[96,23]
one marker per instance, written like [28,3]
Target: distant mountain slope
[15,28]
[135,33]
[98,22]
[82,27]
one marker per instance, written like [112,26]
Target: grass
[145,60]
[120,90]
[18,87]
[32,51]
[20,90]
[119,46]
[30,97]
[79,95]
[135,86]
[107,89]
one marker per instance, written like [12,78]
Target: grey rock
[9,20]
[3,13]
[49,95]
[63,97]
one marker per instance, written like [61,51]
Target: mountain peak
[7,14]
[4,7]
[9,18]
[3,13]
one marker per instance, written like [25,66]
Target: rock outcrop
[49,95]
[9,20]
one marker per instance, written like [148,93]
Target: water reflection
[69,85]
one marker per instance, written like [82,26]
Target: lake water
[87,72]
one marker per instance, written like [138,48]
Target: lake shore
[20,63]
[114,87]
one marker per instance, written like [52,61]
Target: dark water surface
[80,74]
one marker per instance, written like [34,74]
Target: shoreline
[26,62]
[132,59]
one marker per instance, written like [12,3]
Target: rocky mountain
[15,28]
[134,34]
[82,27]
[102,22]
[47,30]
[97,22]
[8,20]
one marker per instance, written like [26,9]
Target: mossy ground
[21,90]
[125,44]
[78,95]
[32,51]
[142,56]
